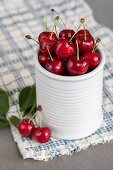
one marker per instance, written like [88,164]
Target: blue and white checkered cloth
[21,17]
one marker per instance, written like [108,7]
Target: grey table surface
[98,157]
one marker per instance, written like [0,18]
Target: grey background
[99,157]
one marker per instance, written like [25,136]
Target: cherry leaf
[27,98]
[14,120]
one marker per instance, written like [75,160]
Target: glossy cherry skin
[66,34]
[57,66]
[64,48]
[85,45]
[43,58]
[77,67]
[93,58]
[42,135]
[81,32]
[26,128]
[43,45]
[47,35]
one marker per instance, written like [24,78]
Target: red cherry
[47,35]
[26,128]
[55,66]
[64,48]
[81,32]
[42,135]
[43,45]
[94,59]
[66,34]
[85,45]
[77,67]
[43,58]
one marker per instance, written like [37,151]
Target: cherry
[47,35]
[84,39]
[66,34]
[26,127]
[48,40]
[77,65]
[42,135]
[85,44]
[77,31]
[43,45]
[55,66]
[64,48]
[43,58]
[93,58]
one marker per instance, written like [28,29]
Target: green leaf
[3,123]
[27,97]
[4,102]
[26,112]
[14,120]
[30,110]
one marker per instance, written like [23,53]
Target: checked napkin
[21,17]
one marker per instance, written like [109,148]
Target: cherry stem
[47,46]
[53,10]
[46,23]
[29,37]
[57,18]
[77,50]
[96,45]
[84,30]
[97,30]
[35,40]
[39,108]
[32,117]
[56,32]
[82,20]
[40,119]
[38,111]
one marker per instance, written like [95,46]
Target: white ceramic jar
[72,105]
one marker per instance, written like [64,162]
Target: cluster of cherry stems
[69,53]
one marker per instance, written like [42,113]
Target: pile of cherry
[59,53]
